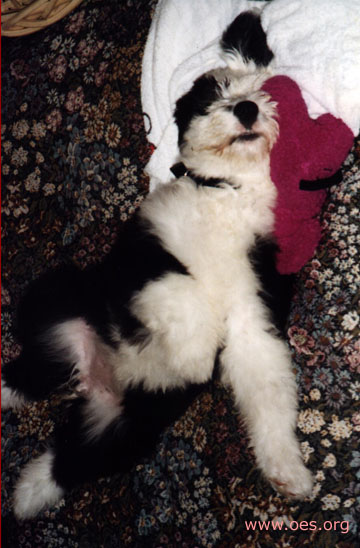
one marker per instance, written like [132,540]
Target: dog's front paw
[296,483]
[36,488]
[289,476]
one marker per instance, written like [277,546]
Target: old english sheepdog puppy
[191,282]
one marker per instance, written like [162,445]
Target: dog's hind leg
[97,442]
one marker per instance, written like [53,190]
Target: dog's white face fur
[214,303]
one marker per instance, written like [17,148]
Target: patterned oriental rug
[73,153]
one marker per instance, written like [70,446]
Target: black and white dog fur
[190,281]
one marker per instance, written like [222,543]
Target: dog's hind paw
[36,489]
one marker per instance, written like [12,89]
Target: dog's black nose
[246,112]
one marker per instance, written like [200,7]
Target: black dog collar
[320,184]
[179,170]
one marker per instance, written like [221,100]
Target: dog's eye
[228,108]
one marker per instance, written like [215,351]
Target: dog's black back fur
[137,258]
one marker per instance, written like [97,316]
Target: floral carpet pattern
[73,153]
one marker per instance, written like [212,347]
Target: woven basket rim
[22,17]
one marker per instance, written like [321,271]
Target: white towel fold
[317,44]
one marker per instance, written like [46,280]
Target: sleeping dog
[191,281]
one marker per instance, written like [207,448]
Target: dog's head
[226,123]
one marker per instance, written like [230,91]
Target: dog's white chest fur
[209,229]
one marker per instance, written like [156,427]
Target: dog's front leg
[257,365]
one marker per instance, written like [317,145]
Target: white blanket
[317,43]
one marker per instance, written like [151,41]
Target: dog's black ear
[246,35]
[203,93]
